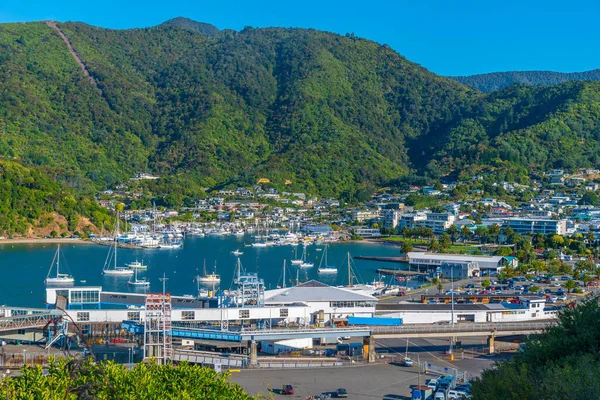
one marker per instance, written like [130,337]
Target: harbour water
[24,267]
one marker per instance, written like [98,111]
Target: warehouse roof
[313,291]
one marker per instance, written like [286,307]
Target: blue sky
[447,37]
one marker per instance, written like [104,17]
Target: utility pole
[164,280]
[452,293]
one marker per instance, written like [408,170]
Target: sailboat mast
[284,273]
[349,272]
[116,239]
[297,276]
[58,261]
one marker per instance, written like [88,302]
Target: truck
[421,393]
[324,341]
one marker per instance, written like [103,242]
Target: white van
[439,396]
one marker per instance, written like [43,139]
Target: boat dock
[398,272]
[384,259]
[121,245]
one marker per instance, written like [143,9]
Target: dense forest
[499,80]
[562,363]
[205,109]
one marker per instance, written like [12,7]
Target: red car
[287,389]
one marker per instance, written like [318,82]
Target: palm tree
[452,231]
[570,285]
[494,231]
[406,247]
[465,232]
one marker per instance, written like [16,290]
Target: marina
[181,266]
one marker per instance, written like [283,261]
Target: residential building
[534,225]
[437,222]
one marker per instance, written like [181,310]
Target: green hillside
[336,115]
[499,80]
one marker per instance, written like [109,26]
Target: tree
[406,247]
[589,198]
[465,232]
[486,283]
[494,231]
[445,241]
[557,241]
[510,234]
[433,245]
[570,285]
[452,231]
[107,380]
[54,234]
[504,251]
[534,289]
[560,363]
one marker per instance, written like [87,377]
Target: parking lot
[368,381]
[552,288]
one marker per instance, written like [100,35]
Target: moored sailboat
[323,267]
[59,278]
[112,268]
[138,282]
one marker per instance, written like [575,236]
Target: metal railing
[465,327]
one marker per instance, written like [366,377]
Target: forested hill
[334,115]
[499,80]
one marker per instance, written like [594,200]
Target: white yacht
[137,265]
[59,278]
[111,268]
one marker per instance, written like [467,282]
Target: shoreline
[44,241]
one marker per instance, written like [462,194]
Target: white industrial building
[460,265]
[325,303]
[311,302]
[417,313]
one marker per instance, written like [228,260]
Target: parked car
[287,389]
[470,286]
[562,297]
[432,383]
[469,292]
[341,393]
[407,362]
[440,395]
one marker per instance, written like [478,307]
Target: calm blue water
[24,267]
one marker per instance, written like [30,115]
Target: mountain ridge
[335,115]
[499,80]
